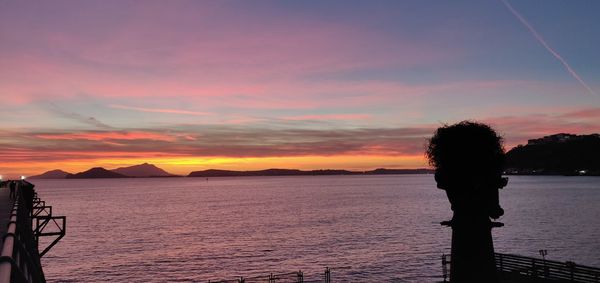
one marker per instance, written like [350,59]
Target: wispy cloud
[233,141]
[348,117]
[368,147]
[159,110]
[218,141]
[107,136]
[518,129]
[88,120]
[588,113]
[547,46]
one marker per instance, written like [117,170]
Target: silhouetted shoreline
[296,172]
[560,154]
[101,173]
[554,155]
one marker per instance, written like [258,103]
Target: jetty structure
[24,220]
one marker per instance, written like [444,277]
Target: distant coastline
[296,172]
[101,173]
[560,154]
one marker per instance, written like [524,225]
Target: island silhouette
[146,170]
[52,174]
[96,172]
[559,154]
[142,170]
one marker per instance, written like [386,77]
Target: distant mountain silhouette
[52,174]
[142,170]
[96,172]
[149,170]
[296,172]
[560,154]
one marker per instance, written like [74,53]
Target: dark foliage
[557,157]
[466,148]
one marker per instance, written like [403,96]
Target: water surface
[367,228]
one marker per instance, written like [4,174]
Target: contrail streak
[543,42]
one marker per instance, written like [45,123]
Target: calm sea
[366,228]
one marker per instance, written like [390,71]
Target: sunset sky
[192,85]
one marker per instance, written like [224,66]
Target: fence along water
[29,219]
[522,267]
[290,277]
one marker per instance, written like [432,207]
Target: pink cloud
[142,58]
[346,117]
[160,110]
[589,113]
[234,141]
[104,136]
[518,129]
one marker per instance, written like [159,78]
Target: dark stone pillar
[472,256]
[469,159]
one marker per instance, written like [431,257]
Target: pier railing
[516,266]
[30,218]
[19,259]
[290,277]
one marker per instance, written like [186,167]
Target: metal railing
[528,267]
[547,269]
[19,259]
[46,225]
[297,276]
[290,277]
[29,220]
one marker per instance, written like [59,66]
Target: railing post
[501,262]
[327,275]
[444,268]
[571,266]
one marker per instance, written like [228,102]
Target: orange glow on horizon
[184,165]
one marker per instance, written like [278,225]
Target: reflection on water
[379,228]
